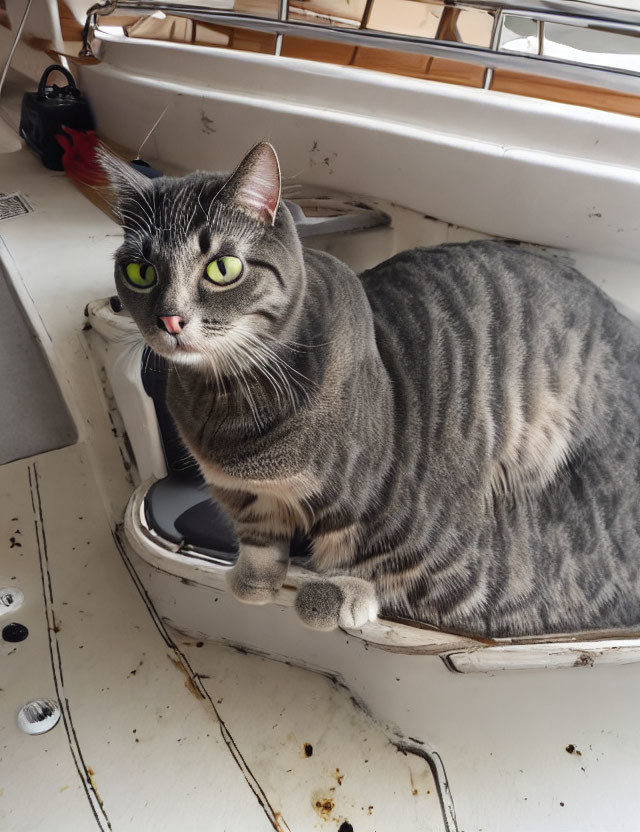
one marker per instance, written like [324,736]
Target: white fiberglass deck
[161,731]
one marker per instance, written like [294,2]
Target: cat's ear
[254,186]
[122,177]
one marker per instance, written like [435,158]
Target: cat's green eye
[224,270]
[140,276]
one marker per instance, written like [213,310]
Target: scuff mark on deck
[92,780]
[188,682]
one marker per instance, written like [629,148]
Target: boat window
[347,13]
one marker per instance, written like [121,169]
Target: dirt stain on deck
[188,681]
[92,780]
[322,805]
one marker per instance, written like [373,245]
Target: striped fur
[459,425]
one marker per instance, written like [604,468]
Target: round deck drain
[14,632]
[10,599]
[38,716]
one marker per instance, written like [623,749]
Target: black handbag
[44,113]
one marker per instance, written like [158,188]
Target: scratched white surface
[154,749]
[152,753]
[349,772]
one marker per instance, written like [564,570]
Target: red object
[79,157]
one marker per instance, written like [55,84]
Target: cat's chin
[188,358]
[183,354]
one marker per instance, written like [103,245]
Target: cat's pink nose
[172,324]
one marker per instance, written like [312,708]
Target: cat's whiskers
[248,366]
[143,211]
[252,404]
[282,365]
[143,196]
[128,217]
[176,207]
[139,233]
[147,360]
[183,202]
[177,371]
[282,368]
[144,208]
[153,201]
[221,367]
[297,346]
[263,369]
[253,348]
[198,199]
[240,379]
[185,462]
[187,225]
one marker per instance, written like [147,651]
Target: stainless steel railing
[491,57]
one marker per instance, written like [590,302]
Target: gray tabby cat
[456,430]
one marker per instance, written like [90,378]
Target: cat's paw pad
[337,602]
[252,587]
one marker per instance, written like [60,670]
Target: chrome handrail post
[283,14]
[496,36]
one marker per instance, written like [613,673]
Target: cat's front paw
[340,601]
[253,587]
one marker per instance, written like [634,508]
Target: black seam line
[31,491]
[275,819]
[268,266]
[432,758]
[56,666]
[59,660]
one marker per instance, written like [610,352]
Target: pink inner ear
[258,186]
[261,195]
